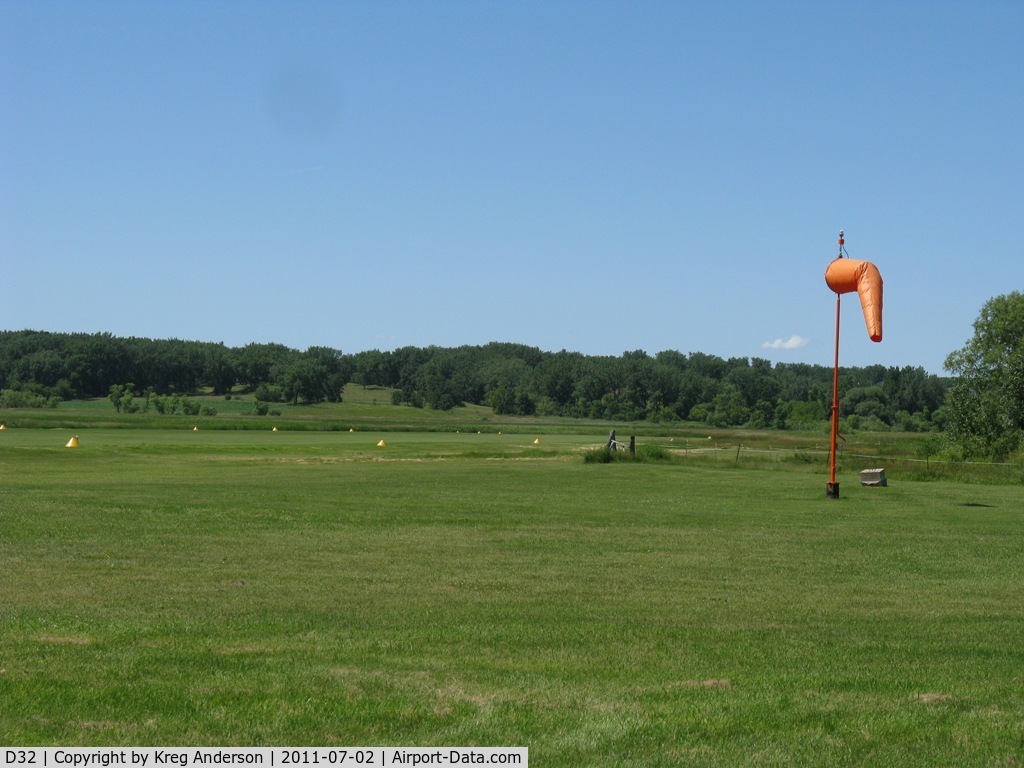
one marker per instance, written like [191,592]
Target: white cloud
[794,342]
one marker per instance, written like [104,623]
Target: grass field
[224,587]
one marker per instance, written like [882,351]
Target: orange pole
[832,489]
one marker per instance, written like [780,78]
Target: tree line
[74,366]
[38,367]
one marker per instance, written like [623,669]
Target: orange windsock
[848,275]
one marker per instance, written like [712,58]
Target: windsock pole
[832,487]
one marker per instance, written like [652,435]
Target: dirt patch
[933,698]
[455,693]
[64,640]
[235,650]
[704,684]
[104,724]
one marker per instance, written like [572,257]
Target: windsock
[848,275]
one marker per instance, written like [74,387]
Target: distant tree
[122,396]
[728,408]
[502,400]
[866,401]
[269,393]
[524,404]
[219,369]
[371,368]
[316,375]
[707,365]
[439,381]
[986,403]
[63,390]
[755,383]
[116,395]
[256,363]
[913,390]
[783,412]
[127,399]
[45,367]
[762,415]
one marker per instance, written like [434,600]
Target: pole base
[831,490]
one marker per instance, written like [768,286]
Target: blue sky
[578,174]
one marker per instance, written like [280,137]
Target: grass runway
[165,587]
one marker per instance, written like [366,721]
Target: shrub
[444,403]
[63,390]
[651,452]
[269,393]
[644,453]
[16,398]
[599,456]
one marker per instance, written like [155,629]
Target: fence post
[632,445]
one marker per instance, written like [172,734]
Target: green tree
[256,362]
[218,368]
[762,415]
[865,402]
[913,390]
[524,404]
[728,408]
[316,375]
[370,368]
[116,395]
[502,400]
[127,398]
[986,403]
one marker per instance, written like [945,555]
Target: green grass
[164,587]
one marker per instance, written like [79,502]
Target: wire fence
[907,466]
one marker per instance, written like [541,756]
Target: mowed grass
[166,587]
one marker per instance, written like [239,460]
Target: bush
[269,393]
[63,390]
[165,404]
[599,456]
[652,452]
[16,398]
[444,403]
[644,453]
